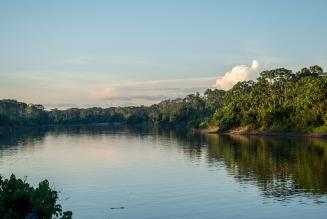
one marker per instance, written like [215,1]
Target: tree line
[177,112]
[278,100]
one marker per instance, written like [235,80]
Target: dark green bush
[18,199]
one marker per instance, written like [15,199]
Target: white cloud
[238,73]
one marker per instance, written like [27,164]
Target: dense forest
[279,100]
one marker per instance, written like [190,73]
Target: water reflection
[281,168]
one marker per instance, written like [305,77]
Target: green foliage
[186,112]
[279,100]
[18,198]
[320,129]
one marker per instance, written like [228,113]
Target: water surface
[166,174]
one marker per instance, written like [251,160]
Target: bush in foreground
[20,200]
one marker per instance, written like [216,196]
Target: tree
[316,69]
[213,100]
[304,72]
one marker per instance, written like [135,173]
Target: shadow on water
[281,168]
[21,139]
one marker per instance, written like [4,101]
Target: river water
[148,173]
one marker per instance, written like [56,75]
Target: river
[149,173]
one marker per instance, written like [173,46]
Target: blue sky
[83,53]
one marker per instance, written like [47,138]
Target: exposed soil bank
[245,131]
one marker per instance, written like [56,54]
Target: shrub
[20,200]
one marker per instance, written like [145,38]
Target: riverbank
[246,131]
[211,130]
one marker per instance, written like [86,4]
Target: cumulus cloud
[238,73]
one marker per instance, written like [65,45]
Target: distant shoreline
[214,130]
